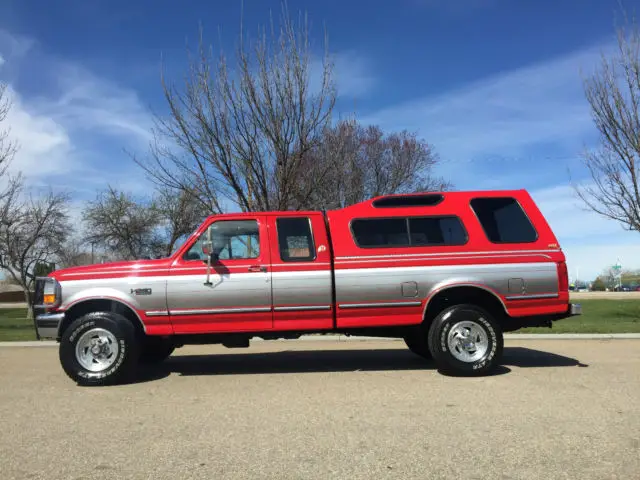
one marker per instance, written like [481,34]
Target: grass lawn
[598,316]
[15,326]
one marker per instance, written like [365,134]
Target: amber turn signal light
[49,299]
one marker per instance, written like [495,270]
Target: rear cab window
[295,239]
[504,220]
[423,231]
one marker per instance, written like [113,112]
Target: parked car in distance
[447,272]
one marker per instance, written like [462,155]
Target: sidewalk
[13,305]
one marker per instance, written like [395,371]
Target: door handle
[257,268]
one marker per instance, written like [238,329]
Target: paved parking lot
[353,410]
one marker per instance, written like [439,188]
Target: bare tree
[131,228]
[75,253]
[9,184]
[7,147]
[365,162]
[613,93]
[31,233]
[123,225]
[180,213]
[238,134]
[32,228]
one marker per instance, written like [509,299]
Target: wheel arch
[90,305]
[467,293]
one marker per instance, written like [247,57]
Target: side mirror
[209,252]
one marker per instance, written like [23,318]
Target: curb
[344,338]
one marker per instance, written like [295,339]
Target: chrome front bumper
[47,324]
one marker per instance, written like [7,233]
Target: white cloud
[590,241]
[45,147]
[568,216]
[87,102]
[76,126]
[352,74]
[2,60]
[503,121]
[14,46]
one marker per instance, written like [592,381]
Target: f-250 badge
[141,291]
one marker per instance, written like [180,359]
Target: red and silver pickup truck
[447,272]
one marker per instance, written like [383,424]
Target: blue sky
[493,85]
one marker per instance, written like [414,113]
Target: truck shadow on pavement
[301,361]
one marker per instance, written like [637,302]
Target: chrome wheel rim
[97,349]
[468,341]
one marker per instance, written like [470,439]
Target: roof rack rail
[397,201]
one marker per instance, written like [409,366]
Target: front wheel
[99,348]
[466,340]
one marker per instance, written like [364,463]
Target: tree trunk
[27,298]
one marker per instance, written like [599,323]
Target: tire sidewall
[121,330]
[440,347]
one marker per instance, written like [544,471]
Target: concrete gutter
[344,338]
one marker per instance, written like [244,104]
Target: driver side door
[236,295]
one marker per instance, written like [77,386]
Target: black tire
[417,343]
[155,350]
[449,361]
[121,366]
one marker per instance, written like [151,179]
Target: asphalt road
[353,410]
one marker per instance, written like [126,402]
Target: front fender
[98,293]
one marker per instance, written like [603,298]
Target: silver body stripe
[376,305]
[216,311]
[302,308]
[247,292]
[371,285]
[531,297]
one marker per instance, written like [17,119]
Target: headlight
[51,293]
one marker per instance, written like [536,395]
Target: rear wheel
[465,340]
[417,343]
[99,348]
[156,350]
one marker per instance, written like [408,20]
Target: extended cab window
[503,220]
[232,240]
[408,232]
[437,231]
[380,232]
[295,239]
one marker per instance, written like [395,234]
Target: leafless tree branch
[122,225]
[31,233]
[8,147]
[238,134]
[129,228]
[613,93]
